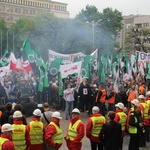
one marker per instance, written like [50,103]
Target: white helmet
[17,114]
[6,127]
[120,105]
[75,110]
[135,102]
[148,93]
[37,112]
[56,114]
[141,97]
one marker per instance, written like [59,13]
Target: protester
[136,127]
[20,135]
[111,98]
[19,108]
[6,137]
[54,136]
[69,99]
[47,115]
[7,113]
[121,118]
[101,99]
[75,131]
[36,130]
[111,133]
[93,128]
[84,93]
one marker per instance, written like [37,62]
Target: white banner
[69,69]
[67,58]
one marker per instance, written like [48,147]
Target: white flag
[69,69]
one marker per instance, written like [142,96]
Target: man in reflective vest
[148,102]
[94,127]
[53,135]
[75,131]
[20,135]
[133,103]
[145,111]
[135,127]
[111,98]
[101,99]
[6,137]
[36,131]
[121,118]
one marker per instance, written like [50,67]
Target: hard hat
[75,110]
[56,114]
[141,97]
[6,127]
[95,108]
[84,80]
[135,102]
[37,112]
[17,114]
[148,93]
[120,105]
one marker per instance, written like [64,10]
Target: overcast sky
[127,7]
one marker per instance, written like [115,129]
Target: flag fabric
[55,65]
[70,69]
[4,60]
[4,71]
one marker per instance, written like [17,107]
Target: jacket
[50,131]
[35,146]
[111,135]
[76,143]
[7,145]
[90,125]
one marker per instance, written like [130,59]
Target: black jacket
[111,135]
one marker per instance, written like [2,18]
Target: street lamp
[93,24]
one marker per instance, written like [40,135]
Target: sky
[127,7]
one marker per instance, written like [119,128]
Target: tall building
[131,25]
[12,10]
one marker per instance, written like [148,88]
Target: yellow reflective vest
[133,130]
[123,119]
[72,131]
[97,122]
[2,140]
[18,136]
[146,110]
[58,136]
[36,132]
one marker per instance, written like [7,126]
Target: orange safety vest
[103,97]
[112,99]
[132,96]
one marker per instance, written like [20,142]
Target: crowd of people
[112,113]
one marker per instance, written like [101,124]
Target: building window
[3,8]
[23,11]
[146,24]
[19,10]
[26,11]
[16,10]
[30,12]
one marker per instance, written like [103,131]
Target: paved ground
[86,143]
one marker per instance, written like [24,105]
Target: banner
[69,69]
[143,58]
[67,58]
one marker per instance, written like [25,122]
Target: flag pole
[13,40]
[1,44]
[7,39]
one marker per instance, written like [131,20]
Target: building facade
[12,10]
[131,28]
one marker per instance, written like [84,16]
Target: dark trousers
[95,145]
[134,142]
[102,108]
[111,107]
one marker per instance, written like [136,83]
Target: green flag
[46,84]
[4,61]
[60,85]
[55,65]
